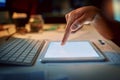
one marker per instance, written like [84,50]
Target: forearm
[108,30]
[103,27]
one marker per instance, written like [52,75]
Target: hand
[77,18]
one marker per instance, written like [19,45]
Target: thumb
[78,24]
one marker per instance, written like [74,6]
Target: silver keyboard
[20,51]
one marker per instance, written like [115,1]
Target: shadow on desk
[23,76]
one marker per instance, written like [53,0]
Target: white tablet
[72,52]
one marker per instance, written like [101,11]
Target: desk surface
[66,71]
[88,32]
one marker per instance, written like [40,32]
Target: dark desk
[62,71]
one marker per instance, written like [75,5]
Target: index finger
[70,18]
[66,35]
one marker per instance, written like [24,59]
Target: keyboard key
[4,59]
[36,47]
[8,55]
[32,54]
[28,60]
[12,59]
[2,54]
[23,55]
[20,59]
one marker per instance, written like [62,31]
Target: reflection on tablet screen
[71,49]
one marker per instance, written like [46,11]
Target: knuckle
[72,13]
[66,16]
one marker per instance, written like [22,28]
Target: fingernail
[74,27]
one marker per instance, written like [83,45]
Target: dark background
[53,11]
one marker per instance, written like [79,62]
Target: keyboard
[113,58]
[20,51]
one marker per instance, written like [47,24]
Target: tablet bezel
[73,59]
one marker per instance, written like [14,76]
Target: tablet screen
[70,50]
[82,51]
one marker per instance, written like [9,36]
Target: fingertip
[62,43]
